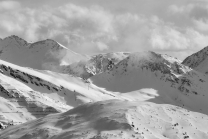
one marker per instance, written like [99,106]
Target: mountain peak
[17,39]
[49,42]
[147,56]
[21,41]
[154,57]
[198,60]
[13,37]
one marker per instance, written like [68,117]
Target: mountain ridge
[108,95]
[164,81]
[43,55]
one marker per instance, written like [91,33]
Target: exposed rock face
[95,65]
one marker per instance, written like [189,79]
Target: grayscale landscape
[103,70]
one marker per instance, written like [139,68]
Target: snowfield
[115,120]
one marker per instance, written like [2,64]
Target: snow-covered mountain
[141,95]
[115,120]
[47,54]
[198,61]
[27,94]
[148,76]
[95,65]
[51,55]
[69,90]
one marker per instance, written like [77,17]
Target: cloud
[196,13]
[102,46]
[175,9]
[9,5]
[94,29]
[167,38]
[201,25]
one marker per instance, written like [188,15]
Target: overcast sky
[175,27]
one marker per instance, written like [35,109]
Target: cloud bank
[95,29]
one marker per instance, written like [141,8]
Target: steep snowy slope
[95,65]
[115,120]
[46,54]
[60,87]
[156,78]
[198,61]
[19,103]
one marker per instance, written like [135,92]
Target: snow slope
[198,61]
[60,87]
[19,103]
[47,54]
[148,76]
[115,120]
[27,94]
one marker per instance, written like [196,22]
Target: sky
[174,27]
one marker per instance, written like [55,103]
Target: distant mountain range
[122,95]
[43,55]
